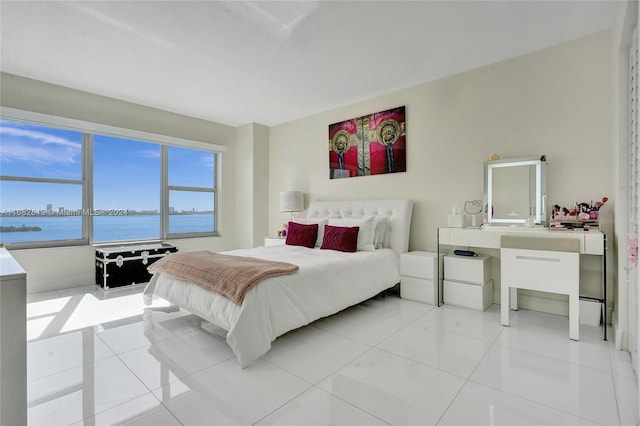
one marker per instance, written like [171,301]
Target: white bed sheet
[328,281]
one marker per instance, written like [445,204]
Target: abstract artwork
[370,145]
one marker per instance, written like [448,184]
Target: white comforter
[327,282]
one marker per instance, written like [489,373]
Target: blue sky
[126,173]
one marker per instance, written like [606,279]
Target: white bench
[542,264]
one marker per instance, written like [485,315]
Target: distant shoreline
[22,228]
[105,228]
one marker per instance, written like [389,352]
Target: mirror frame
[540,164]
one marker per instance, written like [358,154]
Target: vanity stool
[543,264]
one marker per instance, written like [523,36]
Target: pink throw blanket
[229,276]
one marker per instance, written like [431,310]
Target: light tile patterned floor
[102,358]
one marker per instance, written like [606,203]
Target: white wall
[244,186]
[252,184]
[55,268]
[260,184]
[555,102]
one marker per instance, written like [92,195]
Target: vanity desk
[488,237]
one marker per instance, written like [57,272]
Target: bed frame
[397,210]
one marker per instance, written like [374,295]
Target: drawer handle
[540,259]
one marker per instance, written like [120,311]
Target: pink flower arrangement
[632,250]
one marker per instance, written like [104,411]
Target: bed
[326,282]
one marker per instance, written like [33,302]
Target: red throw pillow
[340,238]
[302,235]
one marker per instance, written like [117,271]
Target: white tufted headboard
[397,210]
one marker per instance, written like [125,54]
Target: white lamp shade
[291,201]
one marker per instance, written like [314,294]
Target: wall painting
[369,145]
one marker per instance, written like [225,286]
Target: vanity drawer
[593,243]
[474,238]
[534,269]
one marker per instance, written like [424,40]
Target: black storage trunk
[126,265]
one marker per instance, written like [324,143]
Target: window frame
[167,188]
[84,200]
[161,235]
[88,130]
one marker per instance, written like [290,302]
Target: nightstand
[468,282]
[274,241]
[419,276]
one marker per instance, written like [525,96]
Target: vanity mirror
[515,191]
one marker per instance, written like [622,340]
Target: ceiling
[272,62]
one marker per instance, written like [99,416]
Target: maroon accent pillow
[302,235]
[340,238]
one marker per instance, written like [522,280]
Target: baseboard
[40,286]
[619,340]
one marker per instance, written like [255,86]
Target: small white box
[468,295]
[458,221]
[472,269]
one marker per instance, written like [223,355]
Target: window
[126,190]
[191,187]
[41,184]
[61,187]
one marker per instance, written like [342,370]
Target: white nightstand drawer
[274,241]
[474,269]
[420,264]
[465,295]
[417,289]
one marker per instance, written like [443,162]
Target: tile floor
[96,358]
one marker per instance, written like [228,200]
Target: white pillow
[380,230]
[365,233]
[321,221]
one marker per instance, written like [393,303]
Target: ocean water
[105,228]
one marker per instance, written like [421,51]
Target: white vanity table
[516,208]
[591,243]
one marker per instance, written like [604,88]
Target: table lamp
[291,201]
